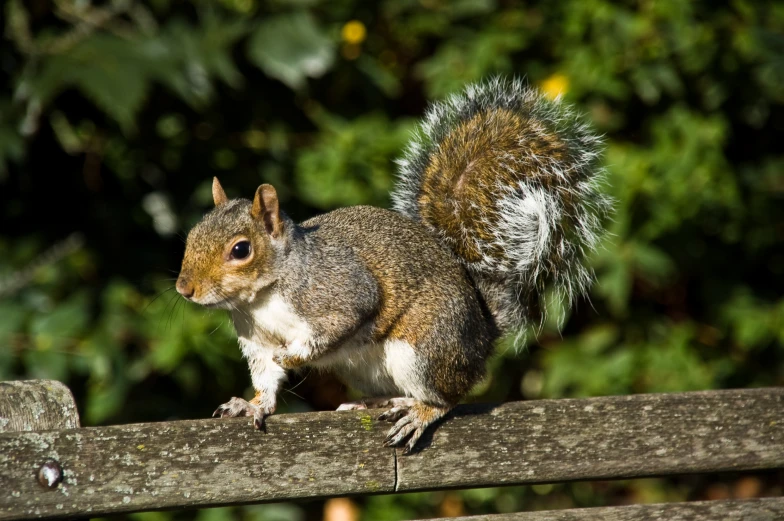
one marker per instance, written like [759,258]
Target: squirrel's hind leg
[377,403]
[411,423]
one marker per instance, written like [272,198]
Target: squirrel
[498,199]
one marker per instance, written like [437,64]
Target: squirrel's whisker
[163,315]
[156,298]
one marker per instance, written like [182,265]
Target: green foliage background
[117,114]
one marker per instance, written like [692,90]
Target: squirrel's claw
[413,441]
[239,407]
[259,418]
[400,431]
[411,423]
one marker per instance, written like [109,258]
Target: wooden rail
[198,463]
[766,509]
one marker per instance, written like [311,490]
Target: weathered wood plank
[766,509]
[36,405]
[221,462]
[192,464]
[602,438]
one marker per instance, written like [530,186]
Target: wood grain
[766,509]
[36,405]
[197,463]
[601,438]
[192,464]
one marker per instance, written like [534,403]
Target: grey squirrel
[499,198]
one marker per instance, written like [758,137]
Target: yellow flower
[555,85]
[354,32]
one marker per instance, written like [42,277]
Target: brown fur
[208,246]
[425,297]
[457,189]
[258,399]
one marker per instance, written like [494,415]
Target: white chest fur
[272,321]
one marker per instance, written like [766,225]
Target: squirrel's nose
[185,287]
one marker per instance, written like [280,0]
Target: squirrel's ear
[218,195]
[265,208]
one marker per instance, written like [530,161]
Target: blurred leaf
[14,317]
[466,8]
[589,366]
[46,364]
[117,73]
[615,285]
[672,365]
[12,145]
[112,72]
[470,58]
[105,400]
[352,161]
[291,48]
[199,53]
[150,516]
[651,263]
[275,512]
[384,79]
[753,322]
[62,326]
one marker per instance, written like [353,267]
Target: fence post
[36,405]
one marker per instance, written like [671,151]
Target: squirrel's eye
[240,250]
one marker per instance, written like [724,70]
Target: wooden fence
[52,468]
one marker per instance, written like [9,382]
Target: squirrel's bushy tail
[511,181]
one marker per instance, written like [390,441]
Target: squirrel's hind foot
[411,423]
[238,407]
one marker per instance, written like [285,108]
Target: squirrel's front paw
[239,407]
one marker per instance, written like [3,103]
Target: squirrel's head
[230,255]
